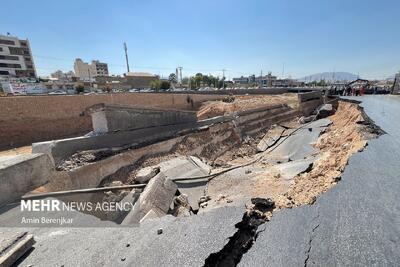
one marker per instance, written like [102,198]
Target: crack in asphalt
[312,235]
[245,236]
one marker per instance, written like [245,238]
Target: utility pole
[223,78]
[180,76]
[283,70]
[126,57]
[261,80]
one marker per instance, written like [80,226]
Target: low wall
[23,173]
[28,119]
[110,118]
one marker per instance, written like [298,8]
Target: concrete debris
[144,175]
[270,138]
[187,167]
[204,199]
[157,196]
[325,111]
[304,119]
[181,200]
[150,215]
[13,247]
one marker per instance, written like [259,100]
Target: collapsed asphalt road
[355,223]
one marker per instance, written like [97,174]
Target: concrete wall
[22,174]
[109,118]
[27,119]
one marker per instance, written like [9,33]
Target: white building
[86,71]
[60,75]
[16,58]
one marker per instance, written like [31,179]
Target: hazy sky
[244,37]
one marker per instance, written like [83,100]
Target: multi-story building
[98,68]
[16,58]
[60,75]
[86,71]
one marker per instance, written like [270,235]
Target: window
[9,57]
[4,72]
[15,50]
[7,42]
[9,65]
[1,48]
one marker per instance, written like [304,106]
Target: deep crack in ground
[245,236]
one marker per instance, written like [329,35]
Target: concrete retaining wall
[28,119]
[22,174]
[308,102]
[109,118]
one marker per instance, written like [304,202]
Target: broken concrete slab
[144,175]
[149,216]
[191,168]
[157,196]
[21,174]
[14,246]
[299,144]
[325,111]
[109,118]
[269,140]
[289,170]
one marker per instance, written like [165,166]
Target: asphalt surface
[356,223]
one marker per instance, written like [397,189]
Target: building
[98,69]
[16,58]
[85,71]
[60,75]
[266,80]
[396,84]
[140,80]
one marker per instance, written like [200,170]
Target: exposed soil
[16,151]
[346,136]
[211,109]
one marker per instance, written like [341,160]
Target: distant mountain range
[330,76]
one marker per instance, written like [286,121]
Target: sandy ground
[216,108]
[336,145]
[16,151]
[342,139]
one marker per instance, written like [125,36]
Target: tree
[157,85]
[165,85]
[185,80]
[172,78]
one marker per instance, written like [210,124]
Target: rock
[204,199]
[181,200]
[159,231]
[144,175]
[157,196]
[305,119]
[203,205]
[325,111]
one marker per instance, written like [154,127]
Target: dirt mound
[211,109]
